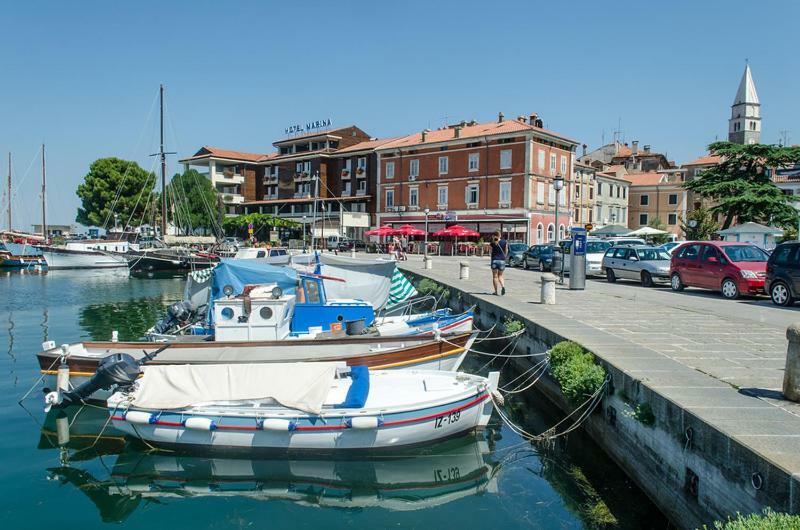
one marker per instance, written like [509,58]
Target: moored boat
[86,254]
[300,407]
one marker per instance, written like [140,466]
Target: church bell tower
[744,127]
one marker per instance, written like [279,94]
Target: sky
[83,77]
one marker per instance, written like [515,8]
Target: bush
[563,351]
[643,413]
[428,286]
[579,377]
[512,325]
[769,520]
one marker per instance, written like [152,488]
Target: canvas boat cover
[301,386]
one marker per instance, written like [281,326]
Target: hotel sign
[310,126]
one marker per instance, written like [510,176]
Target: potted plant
[345,173]
[360,171]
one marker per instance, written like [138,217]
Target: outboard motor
[176,313]
[118,369]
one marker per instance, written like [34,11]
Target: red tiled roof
[215,152]
[705,160]
[310,199]
[369,144]
[329,132]
[645,179]
[471,131]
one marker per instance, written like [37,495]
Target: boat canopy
[301,386]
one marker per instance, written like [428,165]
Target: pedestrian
[403,247]
[498,261]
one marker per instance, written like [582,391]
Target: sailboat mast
[44,196]
[9,192]
[163,171]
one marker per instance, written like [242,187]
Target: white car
[595,250]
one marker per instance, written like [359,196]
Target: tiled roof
[705,160]
[471,131]
[329,132]
[645,179]
[615,168]
[344,198]
[215,152]
[369,144]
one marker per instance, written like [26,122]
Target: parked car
[782,283]
[669,247]
[540,256]
[645,264]
[515,253]
[617,241]
[346,245]
[595,250]
[729,267]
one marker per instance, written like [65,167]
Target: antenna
[784,137]
[44,196]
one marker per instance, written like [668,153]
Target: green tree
[193,201]
[704,225]
[658,224]
[114,186]
[261,224]
[740,185]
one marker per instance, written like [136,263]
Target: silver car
[642,263]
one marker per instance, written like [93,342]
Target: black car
[515,253]
[783,274]
[350,244]
[540,256]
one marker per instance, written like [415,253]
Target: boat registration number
[447,419]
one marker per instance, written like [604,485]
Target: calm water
[492,481]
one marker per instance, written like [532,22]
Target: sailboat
[13,254]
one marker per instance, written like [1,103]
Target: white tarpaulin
[302,386]
[368,280]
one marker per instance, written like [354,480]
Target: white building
[611,197]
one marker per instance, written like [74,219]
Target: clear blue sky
[82,76]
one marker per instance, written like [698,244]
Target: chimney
[472,122]
[647,149]
[521,118]
[500,117]
[532,118]
[584,149]
[425,134]
[457,131]
[635,147]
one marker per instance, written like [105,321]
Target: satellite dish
[277,292]
[693,223]
[227,290]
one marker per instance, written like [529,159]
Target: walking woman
[499,256]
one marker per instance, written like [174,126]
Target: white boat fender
[277,424]
[139,417]
[48,345]
[364,422]
[62,377]
[494,387]
[200,424]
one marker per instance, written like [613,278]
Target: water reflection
[130,317]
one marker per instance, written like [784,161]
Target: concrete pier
[722,438]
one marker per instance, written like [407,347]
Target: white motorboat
[300,406]
[86,254]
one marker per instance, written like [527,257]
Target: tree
[658,224]
[261,223]
[114,186]
[193,201]
[740,185]
[704,225]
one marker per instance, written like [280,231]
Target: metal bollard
[463,273]
[548,295]
[352,252]
[427,263]
[791,375]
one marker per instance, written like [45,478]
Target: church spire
[744,127]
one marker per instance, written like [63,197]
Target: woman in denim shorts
[499,255]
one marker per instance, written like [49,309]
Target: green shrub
[564,350]
[512,325]
[428,286]
[579,377]
[769,520]
[643,412]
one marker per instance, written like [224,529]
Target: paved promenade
[722,360]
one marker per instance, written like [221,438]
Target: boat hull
[143,263]
[58,258]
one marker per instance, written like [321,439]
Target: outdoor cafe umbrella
[381,231]
[646,231]
[408,230]
[456,231]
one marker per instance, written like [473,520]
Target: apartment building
[584,183]
[486,176]
[657,195]
[611,197]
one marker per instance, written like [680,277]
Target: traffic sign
[588,227]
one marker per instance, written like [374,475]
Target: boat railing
[406,308]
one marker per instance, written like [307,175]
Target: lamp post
[427,211]
[558,185]
[305,243]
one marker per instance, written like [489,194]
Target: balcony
[270,179]
[270,196]
[345,174]
[302,195]
[302,177]
[361,173]
[232,198]
[360,193]
[229,177]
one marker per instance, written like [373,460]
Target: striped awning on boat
[400,290]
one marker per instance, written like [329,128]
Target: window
[362,162]
[474,161]
[783,254]
[643,219]
[599,188]
[689,252]
[561,232]
[644,200]
[389,199]
[590,215]
[413,168]
[505,193]
[673,198]
[577,191]
[442,195]
[672,219]
[619,191]
[551,232]
[443,165]
[551,199]
[505,159]
[362,185]
[624,193]
[389,170]
[562,196]
[540,192]
[346,187]
[591,193]
[541,160]
[539,231]
[413,197]
[563,165]
[708,252]
[471,195]
[552,163]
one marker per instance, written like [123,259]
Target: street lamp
[558,184]
[427,211]
[305,243]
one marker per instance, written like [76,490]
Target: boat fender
[200,424]
[277,424]
[140,417]
[62,377]
[364,422]
[48,345]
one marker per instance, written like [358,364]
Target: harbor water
[70,470]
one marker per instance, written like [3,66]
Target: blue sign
[579,241]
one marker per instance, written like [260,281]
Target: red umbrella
[456,231]
[381,231]
[408,230]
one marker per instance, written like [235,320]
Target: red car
[729,267]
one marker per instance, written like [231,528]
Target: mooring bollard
[548,288]
[463,273]
[427,263]
[791,375]
[352,252]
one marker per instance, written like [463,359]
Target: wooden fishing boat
[86,254]
[432,353]
[300,407]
